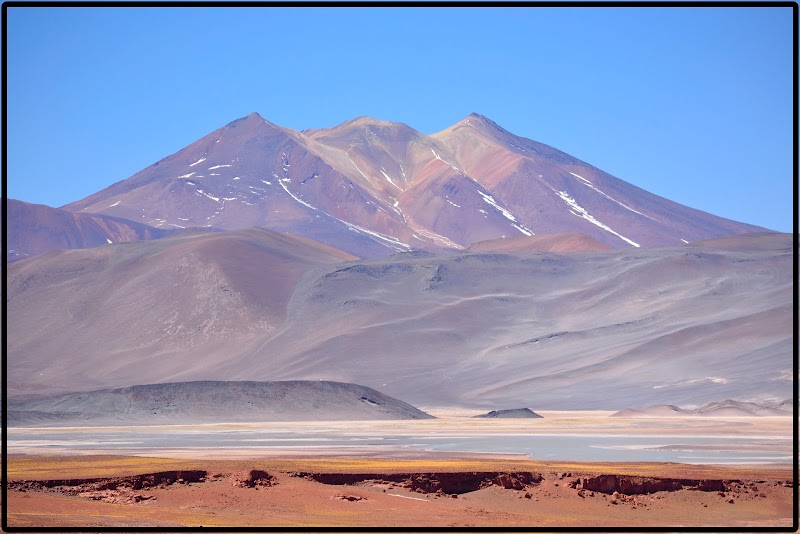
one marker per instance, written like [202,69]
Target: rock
[351,498]
[253,478]
[516,413]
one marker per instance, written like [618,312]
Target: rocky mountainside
[373,188]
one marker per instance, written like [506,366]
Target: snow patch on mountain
[390,180]
[591,186]
[489,199]
[580,212]
[389,241]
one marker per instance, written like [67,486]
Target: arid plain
[339,474]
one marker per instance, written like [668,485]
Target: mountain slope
[551,191]
[150,311]
[374,188]
[603,329]
[677,324]
[35,229]
[254,173]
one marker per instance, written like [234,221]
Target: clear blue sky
[693,104]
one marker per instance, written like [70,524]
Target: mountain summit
[374,188]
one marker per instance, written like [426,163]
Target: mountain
[600,329]
[150,311]
[34,229]
[211,402]
[726,408]
[373,188]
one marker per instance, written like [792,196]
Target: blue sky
[693,104]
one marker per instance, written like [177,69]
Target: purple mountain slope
[373,188]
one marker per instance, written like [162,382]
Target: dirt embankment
[447,483]
[291,493]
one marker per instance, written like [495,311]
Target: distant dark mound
[211,401]
[516,413]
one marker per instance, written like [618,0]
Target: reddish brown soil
[342,492]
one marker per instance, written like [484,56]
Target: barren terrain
[116,492]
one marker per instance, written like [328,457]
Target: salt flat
[560,436]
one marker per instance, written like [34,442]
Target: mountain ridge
[389,188]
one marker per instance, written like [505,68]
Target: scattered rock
[351,498]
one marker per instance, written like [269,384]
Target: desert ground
[79,477]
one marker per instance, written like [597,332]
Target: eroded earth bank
[370,492]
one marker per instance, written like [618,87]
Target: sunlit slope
[581,330]
[150,311]
[597,330]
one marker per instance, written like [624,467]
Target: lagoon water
[751,441]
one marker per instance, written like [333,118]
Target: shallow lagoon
[572,436]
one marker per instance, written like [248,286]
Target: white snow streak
[390,241]
[452,203]
[186,175]
[685,241]
[266,182]
[283,185]
[236,178]
[177,225]
[390,180]
[109,241]
[580,212]
[522,229]
[444,161]
[507,214]
[576,176]
[437,237]
[182,219]
[589,184]
[215,199]
[218,167]
[359,170]
[115,203]
[201,160]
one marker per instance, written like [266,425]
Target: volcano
[374,188]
